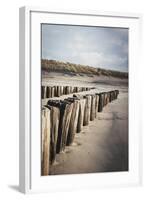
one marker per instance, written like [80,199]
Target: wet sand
[102,146]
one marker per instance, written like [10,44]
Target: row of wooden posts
[62,119]
[57,91]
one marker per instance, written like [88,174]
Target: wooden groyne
[62,119]
[57,91]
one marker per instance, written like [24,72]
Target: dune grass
[66,67]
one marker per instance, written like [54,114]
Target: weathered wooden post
[116,94]
[93,110]
[55,91]
[65,115]
[81,115]
[75,89]
[74,120]
[43,91]
[87,110]
[48,91]
[96,104]
[81,111]
[67,90]
[61,90]
[66,111]
[105,98]
[58,91]
[108,97]
[45,141]
[101,102]
[52,91]
[71,89]
[112,95]
[54,124]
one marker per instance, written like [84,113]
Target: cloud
[95,46]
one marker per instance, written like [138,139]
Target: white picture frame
[29,160]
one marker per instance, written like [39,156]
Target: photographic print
[84,99]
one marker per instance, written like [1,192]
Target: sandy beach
[102,146]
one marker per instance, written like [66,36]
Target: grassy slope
[57,66]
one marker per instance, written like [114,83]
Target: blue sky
[94,46]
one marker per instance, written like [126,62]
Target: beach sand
[102,146]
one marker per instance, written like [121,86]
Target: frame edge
[24,14]
[24,101]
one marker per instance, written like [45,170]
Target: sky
[102,47]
